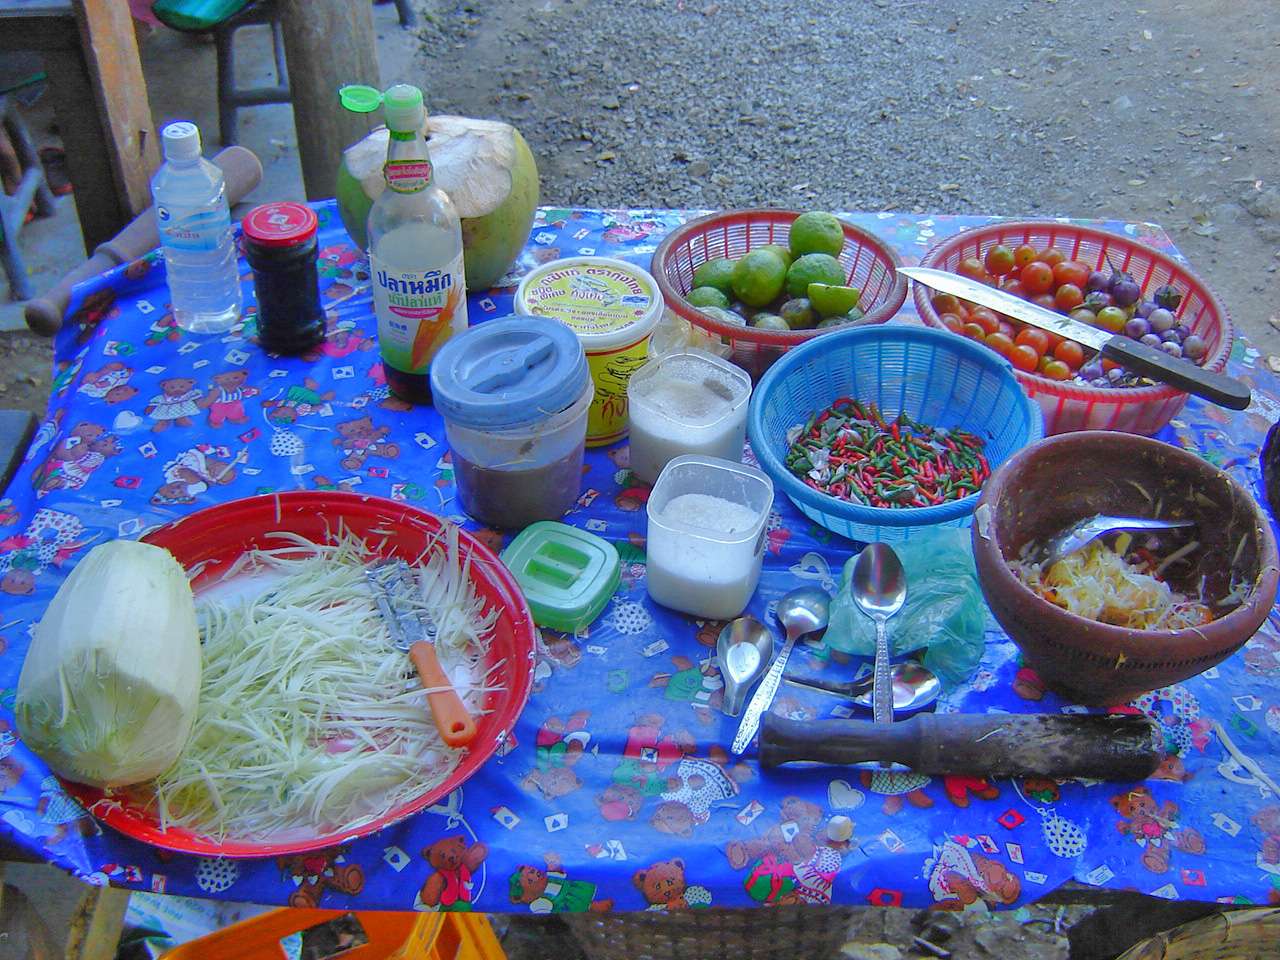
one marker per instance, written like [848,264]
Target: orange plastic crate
[289,933]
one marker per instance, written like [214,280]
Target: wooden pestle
[243,172]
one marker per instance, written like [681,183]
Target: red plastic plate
[217,536]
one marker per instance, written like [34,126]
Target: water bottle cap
[181,140]
[402,107]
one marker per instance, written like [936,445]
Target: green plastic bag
[944,613]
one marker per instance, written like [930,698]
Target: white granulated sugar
[710,513]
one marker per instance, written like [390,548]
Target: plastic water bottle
[194,222]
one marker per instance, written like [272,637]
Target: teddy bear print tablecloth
[617,792]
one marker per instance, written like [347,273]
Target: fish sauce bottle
[415,254]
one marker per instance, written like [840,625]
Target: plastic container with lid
[567,575]
[686,402]
[613,307]
[514,394]
[706,535]
[280,245]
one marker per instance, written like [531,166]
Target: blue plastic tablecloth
[617,792]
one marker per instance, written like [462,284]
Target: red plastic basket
[1078,406]
[870,264]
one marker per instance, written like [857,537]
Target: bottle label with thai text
[407,176]
[417,311]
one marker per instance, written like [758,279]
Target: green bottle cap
[359,98]
[402,106]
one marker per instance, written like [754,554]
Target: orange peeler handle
[457,728]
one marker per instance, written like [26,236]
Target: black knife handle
[1153,362]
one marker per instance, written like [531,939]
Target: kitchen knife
[1133,355]
[1094,746]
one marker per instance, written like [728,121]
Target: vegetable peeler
[396,592]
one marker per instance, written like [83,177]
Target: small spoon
[915,686]
[801,611]
[742,651]
[879,589]
[1081,533]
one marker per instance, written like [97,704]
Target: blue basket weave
[933,376]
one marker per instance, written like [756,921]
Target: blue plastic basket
[932,375]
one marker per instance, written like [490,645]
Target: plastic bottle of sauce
[415,254]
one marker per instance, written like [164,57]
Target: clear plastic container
[194,224]
[514,395]
[706,535]
[686,402]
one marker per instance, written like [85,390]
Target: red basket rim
[676,301]
[1155,393]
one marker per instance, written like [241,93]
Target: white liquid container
[686,402]
[706,535]
[194,224]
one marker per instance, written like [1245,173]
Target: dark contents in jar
[513,499]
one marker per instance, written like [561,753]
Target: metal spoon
[879,589]
[1081,533]
[915,686]
[742,651]
[801,611]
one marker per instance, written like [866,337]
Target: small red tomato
[986,318]
[1054,340]
[974,332]
[1068,297]
[1023,357]
[1070,353]
[1015,287]
[972,268]
[952,322]
[1007,328]
[1035,338]
[945,303]
[1000,343]
[1071,271]
[1052,256]
[999,260]
[1024,254]
[1037,277]
[1056,370]
[1045,300]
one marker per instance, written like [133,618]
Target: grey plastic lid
[181,140]
[508,372]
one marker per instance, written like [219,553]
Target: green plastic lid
[567,575]
[402,104]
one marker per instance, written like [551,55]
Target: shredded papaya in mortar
[1102,583]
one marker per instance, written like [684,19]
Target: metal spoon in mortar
[742,651]
[801,611]
[879,589]
[1079,534]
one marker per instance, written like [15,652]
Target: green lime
[784,254]
[758,277]
[724,316]
[837,321]
[798,313]
[813,268]
[708,297]
[831,300]
[769,321]
[816,232]
[716,273]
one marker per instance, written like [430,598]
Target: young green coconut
[486,168]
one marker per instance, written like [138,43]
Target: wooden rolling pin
[243,172]
[1093,746]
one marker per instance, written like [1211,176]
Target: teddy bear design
[694,786]
[551,890]
[359,439]
[1153,828]
[454,863]
[225,399]
[960,879]
[175,404]
[318,871]
[664,887]
[699,685]
[793,861]
[559,745]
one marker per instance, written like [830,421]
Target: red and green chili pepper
[850,452]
